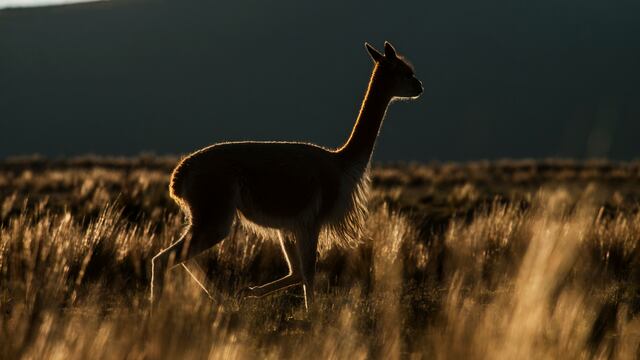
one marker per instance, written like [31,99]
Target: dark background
[502,79]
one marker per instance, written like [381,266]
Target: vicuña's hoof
[246,292]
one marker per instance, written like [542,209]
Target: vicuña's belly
[280,213]
[270,225]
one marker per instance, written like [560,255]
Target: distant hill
[502,79]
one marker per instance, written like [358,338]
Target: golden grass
[535,266]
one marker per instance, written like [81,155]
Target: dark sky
[503,79]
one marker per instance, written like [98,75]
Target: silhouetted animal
[297,192]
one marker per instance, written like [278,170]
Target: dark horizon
[539,80]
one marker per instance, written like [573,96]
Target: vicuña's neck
[359,146]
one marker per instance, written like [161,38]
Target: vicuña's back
[294,191]
[274,187]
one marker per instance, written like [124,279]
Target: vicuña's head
[396,72]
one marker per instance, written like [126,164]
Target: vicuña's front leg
[291,256]
[277,285]
[307,247]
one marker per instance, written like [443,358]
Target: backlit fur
[308,197]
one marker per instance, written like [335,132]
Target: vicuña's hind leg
[212,213]
[199,275]
[165,260]
[195,241]
[290,252]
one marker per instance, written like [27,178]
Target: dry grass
[484,260]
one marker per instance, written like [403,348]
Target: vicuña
[300,193]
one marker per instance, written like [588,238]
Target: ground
[505,259]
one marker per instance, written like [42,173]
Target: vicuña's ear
[389,51]
[375,55]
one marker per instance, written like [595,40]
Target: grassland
[484,260]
